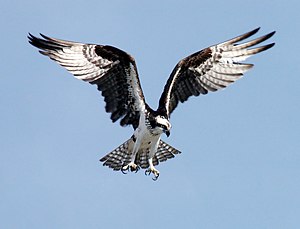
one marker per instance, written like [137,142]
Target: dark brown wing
[210,69]
[111,69]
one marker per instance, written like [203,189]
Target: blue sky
[239,166]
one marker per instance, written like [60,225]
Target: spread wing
[210,69]
[111,69]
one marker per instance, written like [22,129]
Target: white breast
[146,139]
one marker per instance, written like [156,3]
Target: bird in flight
[115,74]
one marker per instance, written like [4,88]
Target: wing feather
[111,69]
[210,69]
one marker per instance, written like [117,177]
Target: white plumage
[115,74]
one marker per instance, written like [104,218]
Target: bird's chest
[147,138]
[144,133]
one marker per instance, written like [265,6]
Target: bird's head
[164,124]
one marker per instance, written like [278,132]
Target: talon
[147,172]
[154,171]
[134,169]
[137,169]
[155,177]
[125,169]
[130,167]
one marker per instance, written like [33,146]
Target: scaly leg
[132,166]
[153,170]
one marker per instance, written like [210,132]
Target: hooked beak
[167,132]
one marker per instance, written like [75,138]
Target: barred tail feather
[163,153]
[121,156]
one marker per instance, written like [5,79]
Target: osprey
[115,74]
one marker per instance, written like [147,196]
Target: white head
[164,124]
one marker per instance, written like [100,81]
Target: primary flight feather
[115,74]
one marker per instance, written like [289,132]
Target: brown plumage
[115,74]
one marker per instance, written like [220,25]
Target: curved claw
[130,168]
[147,172]
[124,171]
[137,169]
[155,177]
[155,173]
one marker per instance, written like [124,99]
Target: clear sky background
[240,161]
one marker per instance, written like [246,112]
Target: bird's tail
[121,156]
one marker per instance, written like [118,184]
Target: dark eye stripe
[160,125]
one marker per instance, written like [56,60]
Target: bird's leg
[130,167]
[153,170]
